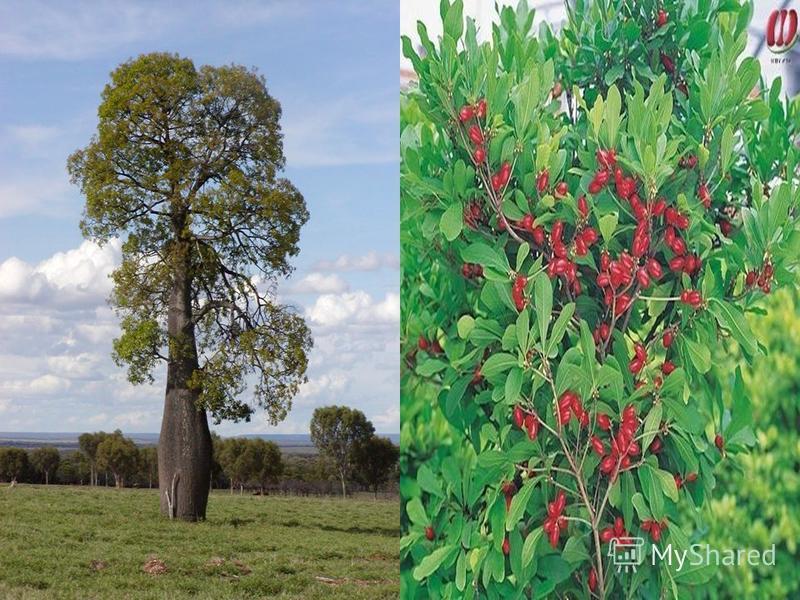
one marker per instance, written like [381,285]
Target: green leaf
[574,550]
[698,34]
[513,385]
[523,327]
[429,482]
[560,326]
[430,367]
[529,547]
[452,221]
[519,503]
[454,20]
[725,149]
[699,354]
[483,254]
[497,363]
[465,325]
[614,73]
[731,318]
[433,561]
[416,512]
[651,425]
[608,225]
[741,413]
[543,298]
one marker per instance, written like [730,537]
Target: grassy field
[77,542]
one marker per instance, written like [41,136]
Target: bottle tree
[185,168]
[584,217]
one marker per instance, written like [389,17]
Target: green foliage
[118,454]
[690,131]
[13,463]
[53,535]
[45,460]
[757,502]
[336,432]
[185,168]
[375,461]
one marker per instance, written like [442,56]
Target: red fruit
[497,182]
[623,303]
[557,89]
[678,246]
[519,416]
[557,231]
[531,426]
[475,135]
[423,343]
[429,533]
[704,195]
[592,579]
[669,66]
[560,502]
[583,207]
[561,189]
[668,367]
[725,227]
[603,422]
[602,176]
[527,222]
[597,446]
[668,338]
[655,446]
[542,181]
[606,535]
[654,268]
[678,481]
[466,113]
[555,533]
[436,348]
[641,352]
[688,162]
[580,246]
[538,235]
[506,546]
[480,108]
[719,442]
[520,281]
[750,280]
[479,155]
[677,263]
[607,464]
[658,207]
[662,18]
[691,477]
[589,235]
[692,298]
[643,278]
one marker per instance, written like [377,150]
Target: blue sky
[333,67]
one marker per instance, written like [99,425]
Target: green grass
[49,536]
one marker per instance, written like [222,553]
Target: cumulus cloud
[319,283]
[372,261]
[354,307]
[78,277]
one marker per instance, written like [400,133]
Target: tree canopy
[184,167]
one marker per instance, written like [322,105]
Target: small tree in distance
[13,462]
[88,443]
[375,461]
[118,454]
[336,431]
[45,460]
[267,461]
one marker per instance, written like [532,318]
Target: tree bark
[184,446]
[344,488]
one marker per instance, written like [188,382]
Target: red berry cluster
[661,18]
[569,403]
[560,264]
[465,115]
[688,162]
[509,489]
[623,446]
[500,179]
[542,181]
[704,195]
[473,214]
[692,298]
[555,522]
[679,481]
[601,333]
[654,528]
[607,159]
[471,270]
[762,278]
[432,347]
[638,361]
[518,291]
[615,532]
[528,421]
[528,225]
[616,274]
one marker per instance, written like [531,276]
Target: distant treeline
[239,464]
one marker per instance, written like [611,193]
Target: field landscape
[81,542]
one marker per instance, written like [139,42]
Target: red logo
[782,30]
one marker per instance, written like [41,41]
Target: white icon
[625,553]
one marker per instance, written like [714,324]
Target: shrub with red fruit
[577,365]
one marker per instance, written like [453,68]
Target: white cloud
[355,307]
[327,385]
[81,29]
[48,384]
[388,420]
[319,283]
[77,278]
[31,136]
[371,261]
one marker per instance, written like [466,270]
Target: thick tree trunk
[184,447]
